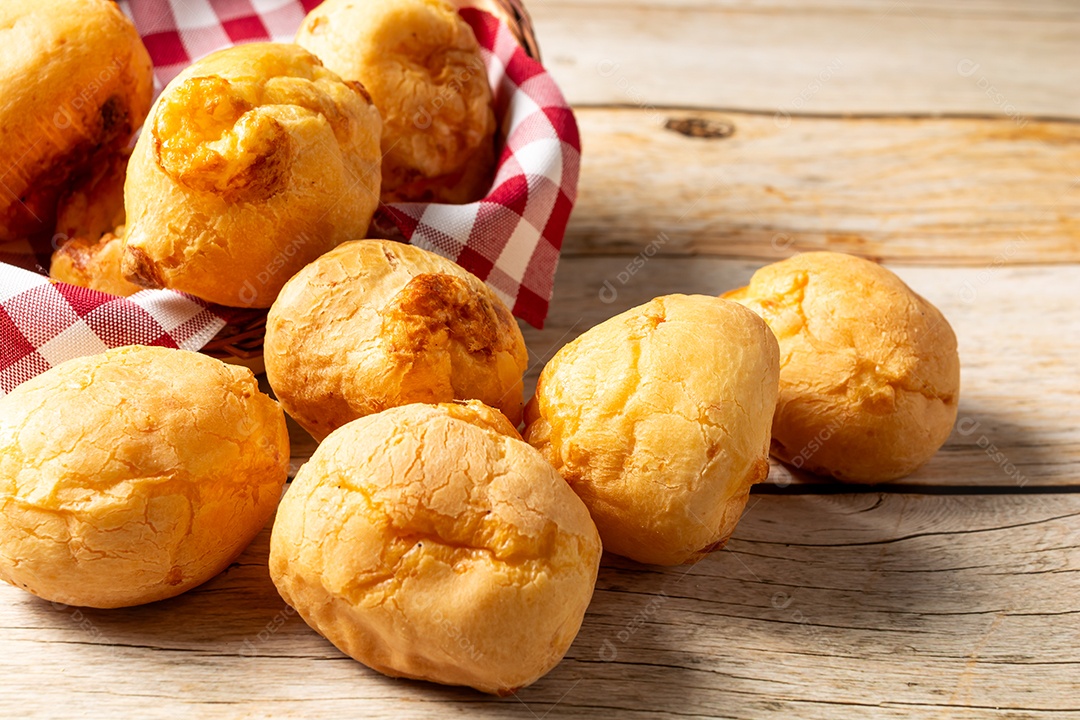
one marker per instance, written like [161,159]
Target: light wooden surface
[943,139]
[984,57]
[823,606]
[940,191]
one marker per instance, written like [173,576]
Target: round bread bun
[659,419]
[254,161]
[430,542]
[870,375]
[134,475]
[375,324]
[93,264]
[422,65]
[75,83]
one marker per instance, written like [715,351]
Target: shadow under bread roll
[254,161]
[75,83]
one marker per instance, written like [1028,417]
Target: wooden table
[943,141]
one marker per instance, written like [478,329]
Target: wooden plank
[1019,335]
[829,56]
[841,606]
[935,191]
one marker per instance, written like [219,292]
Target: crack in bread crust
[870,376]
[429,541]
[173,464]
[411,326]
[208,137]
[258,159]
[659,419]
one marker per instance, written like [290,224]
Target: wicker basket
[241,341]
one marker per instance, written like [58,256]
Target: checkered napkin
[42,324]
[510,239]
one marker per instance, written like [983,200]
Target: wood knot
[699,127]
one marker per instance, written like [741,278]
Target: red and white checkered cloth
[510,239]
[42,323]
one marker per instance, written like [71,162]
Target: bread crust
[423,67]
[870,373]
[659,419]
[134,475]
[255,161]
[375,324]
[430,542]
[93,264]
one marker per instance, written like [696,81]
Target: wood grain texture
[930,191]
[871,605]
[825,56]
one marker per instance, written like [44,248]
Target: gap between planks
[689,108]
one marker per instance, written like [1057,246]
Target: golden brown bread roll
[134,475]
[430,542]
[870,375]
[422,65]
[255,160]
[659,420]
[93,264]
[374,324]
[75,83]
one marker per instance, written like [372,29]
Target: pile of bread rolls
[253,161]
[426,537]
